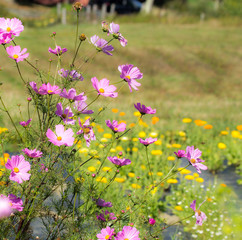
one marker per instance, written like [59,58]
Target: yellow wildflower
[223,185]
[107,135]
[114,110]
[186,120]
[172,180]
[153,134]
[104,140]
[130,174]
[131,125]
[189,177]
[119,148]
[176,145]
[91,169]
[156,152]
[84,150]
[171,158]
[182,134]
[135,149]
[143,167]
[142,134]
[221,145]
[208,126]
[154,120]
[239,127]
[158,142]
[200,122]
[119,180]
[122,114]
[135,139]
[224,133]
[178,208]
[159,174]
[199,179]
[185,171]
[135,186]
[235,134]
[101,179]
[137,114]
[195,175]
[100,130]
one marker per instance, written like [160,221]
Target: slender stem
[151,174]
[73,61]
[77,24]
[74,206]
[20,73]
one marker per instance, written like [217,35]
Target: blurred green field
[189,70]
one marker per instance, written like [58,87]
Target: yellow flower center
[198,212]
[101,90]
[128,77]
[86,130]
[107,237]
[49,91]
[10,204]
[15,56]
[63,115]
[16,170]
[126,239]
[59,138]
[115,129]
[8,29]
[193,160]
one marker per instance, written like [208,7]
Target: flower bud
[77,6]
[82,37]
[151,221]
[29,99]
[120,153]
[93,175]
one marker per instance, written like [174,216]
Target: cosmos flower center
[16,170]
[198,212]
[15,56]
[63,115]
[59,138]
[128,77]
[107,237]
[126,239]
[101,90]
[8,29]
[115,129]
[10,204]
[193,160]
[86,130]
[49,91]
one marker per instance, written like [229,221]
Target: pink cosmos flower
[151,221]
[71,95]
[144,110]
[119,161]
[19,168]
[32,153]
[57,51]
[25,124]
[130,73]
[114,29]
[71,75]
[15,202]
[34,87]
[101,203]
[11,26]
[81,107]
[130,233]
[106,216]
[5,206]
[147,141]
[66,114]
[103,88]
[87,130]
[5,38]
[15,53]
[48,89]
[180,153]
[200,216]
[106,233]
[115,126]
[102,45]
[193,157]
[61,137]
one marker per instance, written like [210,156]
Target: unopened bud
[93,175]
[82,37]
[77,6]
[120,153]
[29,99]
[138,178]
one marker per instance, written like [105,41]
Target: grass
[189,70]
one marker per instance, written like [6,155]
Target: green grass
[189,70]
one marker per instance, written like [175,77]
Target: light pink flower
[34,87]
[119,161]
[48,89]
[81,107]
[71,95]
[193,157]
[58,50]
[114,29]
[103,88]
[61,137]
[66,114]
[147,141]
[144,110]
[32,153]
[130,73]
[102,45]
[11,26]
[25,124]
[19,168]
[106,233]
[200,216]
[5,207]
[115,126]
[15,53]
[130,233]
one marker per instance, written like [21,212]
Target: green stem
[73,61]
[151,174]
[20,73]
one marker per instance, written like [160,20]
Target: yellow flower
[135,139]
[122,121]
[135,186]
[3,130]
[91,169]
[84,150]
[128,208]
[98,162]
[158,142]
[223,185]
[185,171]
[119,180]
[176,145]
[189,177]
[100,130]
[112,150]
[143,123]
[130,174]
[200,122]
[101,179]
[142,134]
[172,180]
[235,134]
[224,133]
[131,125]
[107,135]
[1,173]
[114,110]
[182,134]
[195,175]
[150,173]
[128,149]
[119,148]
[178,208]
[124,139]
[239,127]
[153,134]
[209,126]
[77,180]
[2,183]
[186,120]
[137,114]
[104,140]
[209,199]
[143,167]
[154,120]
[221,145]
[156,152]
[101,146]
[171,158]
[135,149]
[159,174]
[122,114]
[107,169]
[200,180]
[154,190]
[168,145]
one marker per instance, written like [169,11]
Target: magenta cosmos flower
[32,153]
[48,89]
[5,38]
[180,154]
[15,53]
[130,73]
[106,233]
[144,110]
[119,161]
[114,29]
[19,168]
[66,114]
[102,45]
[115,126]
[151,221]
[106,216]
[71,75]
[71,95]
[200,216]
[103,88]
[61,137]
[193,157]
[130,233]
[34,87]
[147,141]
[87,130]
[11,26]
[25,124]
[58,50]
[101,203]
[81,107]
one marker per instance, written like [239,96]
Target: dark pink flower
[81,107]
[19,168]
[130,73]
[130,233]
[106,216]
[193,157]
[119,161]
[180,153]
[147,141]
[58,50]
[11,26]
[5,38]
[103,88]
[15,53]
[48,89]
[106,233]
[151,221]
[102,45]
[66,114]
[34,87]
[32,153]
[115,126]
[144,110]
[200,216]
[71,95]
[101,203]
[16,203]
[61,137]
[25,124]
